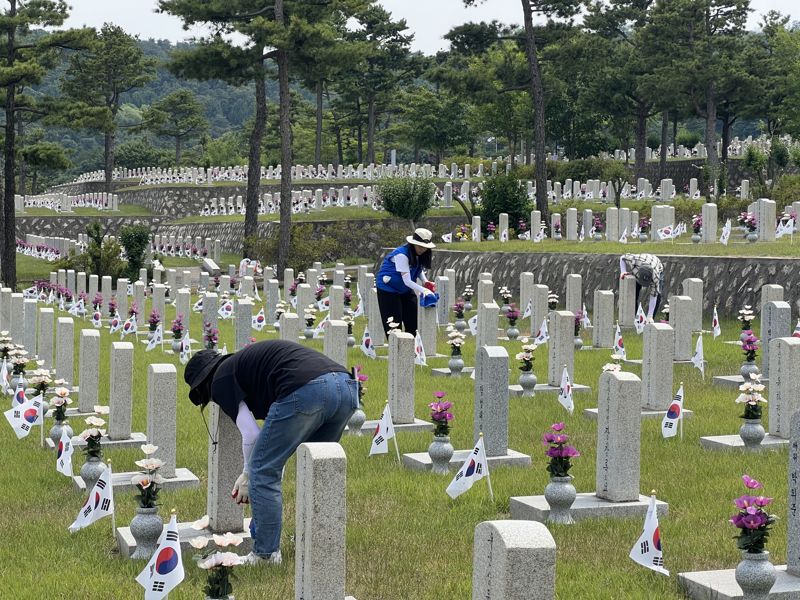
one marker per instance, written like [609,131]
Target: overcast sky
[429,20]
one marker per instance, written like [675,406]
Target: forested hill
[227,109]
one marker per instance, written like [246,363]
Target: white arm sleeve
[402,266]
[623,268]
[249,429]
[651,309]
[423,277]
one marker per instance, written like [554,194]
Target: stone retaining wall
[71,226]
[730,282]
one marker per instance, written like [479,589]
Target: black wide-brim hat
[199,367]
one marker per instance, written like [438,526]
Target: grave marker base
[732,381]
[121,482]
[543,388]
[721,585]
[417,425]
[734,442]
[440,372]
[420,461]
[586,506]
[136,440]
[647,413]
[127,545]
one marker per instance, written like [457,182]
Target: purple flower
[439,395]
[743,502]
[751,483]
[762,501]
[753,521]
[562,452]
[557,426]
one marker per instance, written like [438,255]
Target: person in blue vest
[397,278]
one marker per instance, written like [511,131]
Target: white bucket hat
[422,237]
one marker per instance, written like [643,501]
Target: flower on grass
[149,449]
[752,521]
[202,523]
[750,483]
[149,464]
[227,539]
[95,421]
[199,542]
[558,451]
[101,410]
[220,559]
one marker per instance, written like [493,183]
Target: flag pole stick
[113,513]
[397,449]
[680,424]
[488,476]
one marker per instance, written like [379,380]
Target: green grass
[784,247]
[348,213]
[405,538]
[125,210]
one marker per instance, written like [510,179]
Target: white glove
[241,489]
[426,292]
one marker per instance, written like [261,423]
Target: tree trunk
[537,93]
[726,136]
[318,141]
[34,179]
[359,133]
[675,132]
[178,150]
[371,131]
[662,162]
[22,168]
[641,139]
[9,258]
[110,137]
[254,164]
[711,140]
[285,127]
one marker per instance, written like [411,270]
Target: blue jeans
[317,412]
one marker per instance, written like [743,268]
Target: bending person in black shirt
[301,395]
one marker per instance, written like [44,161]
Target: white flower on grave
[227,539]
[92,433]
[61,392]
[201,523]
[616,357]
[150,464]
[220,559]
[101,410]
[59,382]
[199,542]
[149,449]
[60,401]
[529,347]
[95,421]
[611,367]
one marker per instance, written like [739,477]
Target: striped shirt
[629,263]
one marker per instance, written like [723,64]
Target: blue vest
[388,269]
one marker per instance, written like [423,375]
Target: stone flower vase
[56,429]
[560,495]
[528,381]
[176,345]
[460,324]
[512,332]
[351,341]
[91,471]
[598,237]
[356,421]
[456,365]
[146,528]
[490,237]
[308,333]
[467,305]
[642,237]
[440,451]
[557,235]
[696,238]
[749,368]
[755,575]
[577,342]
[752,237]
[228,597]
[752,433]
[150,334]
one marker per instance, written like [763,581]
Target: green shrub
[407,197]
[101,257]
[786,191]
[504,194]
[473,164]
[688,139]
[135,239]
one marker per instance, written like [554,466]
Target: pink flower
[439,395]
[557,426]
[751,483]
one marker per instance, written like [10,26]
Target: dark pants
[401,307]
[658,301]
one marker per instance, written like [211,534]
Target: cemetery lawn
[782,248]
[125,210]
[348,213]
[406,539]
